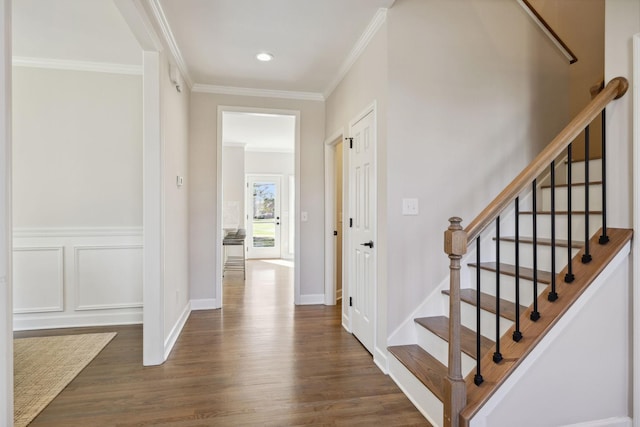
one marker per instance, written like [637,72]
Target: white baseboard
[609,422]
[175,331]
[27,323]
[204,304]
[380,358]
[311,299]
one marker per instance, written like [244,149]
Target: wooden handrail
[614,90]
[555,38]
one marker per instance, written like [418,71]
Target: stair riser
[544,226]
[595,171]
[439,349]
[577,198]
[487,321]
[508,255]
[507,286]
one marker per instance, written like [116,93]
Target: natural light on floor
[282,262]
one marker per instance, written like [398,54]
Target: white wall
[6,319]
[175,142]
[233,193]
[366,82]
[469,107]
[276,164]
[622,21]
[77,153]
[203,177]
[77,205]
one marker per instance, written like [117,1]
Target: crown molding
[64,64]
[170,40]
[378,20]
[264,93]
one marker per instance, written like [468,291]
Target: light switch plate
[410,207]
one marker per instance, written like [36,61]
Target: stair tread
[543,241]
[424,366]
[510,270]
[488,303]
[439,325]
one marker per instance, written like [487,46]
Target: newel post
[455,245]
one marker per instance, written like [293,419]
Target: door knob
[369,243]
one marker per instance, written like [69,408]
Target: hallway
[258,361]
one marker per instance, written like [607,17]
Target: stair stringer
[595,381]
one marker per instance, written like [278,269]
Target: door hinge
[350,142]
[350,222]
[350,301]
[335,232]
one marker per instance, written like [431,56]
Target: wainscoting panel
[71,277]
[38,277]
[108,277]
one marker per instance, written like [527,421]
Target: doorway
[258,149]
[263,216]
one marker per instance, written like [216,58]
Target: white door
[362,213]
[263,216]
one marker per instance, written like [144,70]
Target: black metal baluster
[477,379]
[586,257]
[535,314]
[517,335]
[553,295]
[604,239]
[569,277]
[497,356]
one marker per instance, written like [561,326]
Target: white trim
[204,304]
[609,422]
[6,281]
[25,232]
[66,64]
[313,299]
[129,317]
[76,277]
[170,40]
[378,20]
[153,214]
[60,284]
[218,261]
[137,19]
[381,359]
[635,86]
[544,29]
[262,93]
[329,216]
[173,336]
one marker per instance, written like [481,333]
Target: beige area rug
[43,366]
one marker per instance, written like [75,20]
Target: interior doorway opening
[257,186]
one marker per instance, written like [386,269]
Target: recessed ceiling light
[264,57]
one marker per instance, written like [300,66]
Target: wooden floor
[260,361]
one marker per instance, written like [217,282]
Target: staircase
[517,284]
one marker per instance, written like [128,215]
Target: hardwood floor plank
[259,361]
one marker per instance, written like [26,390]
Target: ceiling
[259,132]
[310,39]
[215,43]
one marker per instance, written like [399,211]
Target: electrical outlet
[410,207]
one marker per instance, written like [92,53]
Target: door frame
[348,236]
[296,215]
[246,198]
[330,216]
